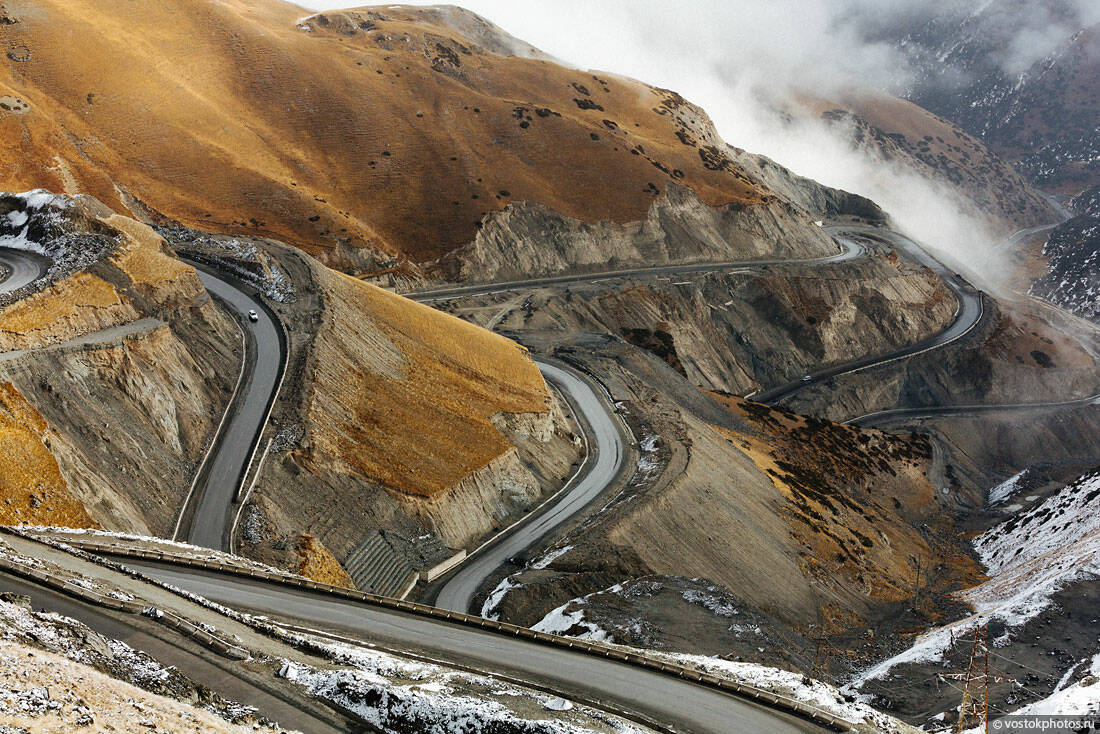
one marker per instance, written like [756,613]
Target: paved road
[849,251]
[883,417]
[605,459]
[110,335]
[207,515]
[20,268]
[187,656]
[1018,236]
[686,706]
[970,313]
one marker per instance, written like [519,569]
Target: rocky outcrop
[124,356]
[529,240]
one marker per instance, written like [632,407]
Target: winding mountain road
[678,704]
[849,250]
[970,313]
[605,459]
[206,518]
[684,705]
[186,656]
[883,417]
[20,268]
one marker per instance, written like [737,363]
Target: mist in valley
[748,64]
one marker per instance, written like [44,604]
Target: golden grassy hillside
[403,394]
[32,490]
[79,304]
[854,500]
[390,128]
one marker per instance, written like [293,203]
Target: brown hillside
[937,149]
[392,128]
[32,490]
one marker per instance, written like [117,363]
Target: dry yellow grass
[141,257]
[404,394]
[32,490]
[79,304]
[384,127]
[854,497]
[316,562]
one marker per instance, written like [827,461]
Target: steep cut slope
[367,136]
[118,362]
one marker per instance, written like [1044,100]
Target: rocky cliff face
[528,240]
[743,331]
[122,354]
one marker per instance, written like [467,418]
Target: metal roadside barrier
[742,690]
[128,606]
[203,637]
[69,588]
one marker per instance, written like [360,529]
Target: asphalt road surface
[849,251]
[193,662]
[207,515]
[20,268]
[605,445]
[884,417]
[685,706]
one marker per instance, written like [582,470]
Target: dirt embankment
[129,407]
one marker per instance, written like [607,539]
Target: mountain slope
[391,129]
[1072,251]
[973,67]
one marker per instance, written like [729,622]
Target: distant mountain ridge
[972,68]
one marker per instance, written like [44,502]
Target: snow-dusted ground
[569,619]
[58,675]
[795,686]
[41,225]
[396,693]
[1030,557]
[1005,489]
[16,233]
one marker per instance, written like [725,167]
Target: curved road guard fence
[741,690]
